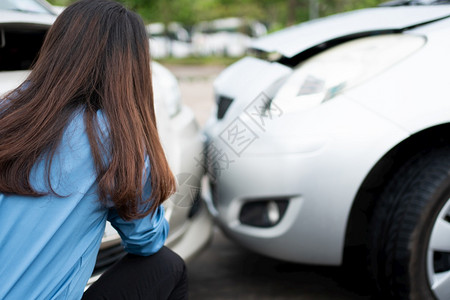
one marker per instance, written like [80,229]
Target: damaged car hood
[296,39]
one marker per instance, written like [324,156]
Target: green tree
[276,13]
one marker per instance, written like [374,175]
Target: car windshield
[24,5]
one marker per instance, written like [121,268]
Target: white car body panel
[296,39]
[37,20]
[412,104]
[320,156]
[326,135]
[251,71]
[9,80]
[182,141]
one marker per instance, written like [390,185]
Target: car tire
[414,205]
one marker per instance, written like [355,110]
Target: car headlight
[329,73]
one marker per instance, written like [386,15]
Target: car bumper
[316,160]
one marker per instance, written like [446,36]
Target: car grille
[223,103]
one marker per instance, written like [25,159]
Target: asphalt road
[224,270]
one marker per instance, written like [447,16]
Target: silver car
[334,137]
[21,35]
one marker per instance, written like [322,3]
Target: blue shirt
[48,244]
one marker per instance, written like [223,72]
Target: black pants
[160,276]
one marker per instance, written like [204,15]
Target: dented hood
[296,39]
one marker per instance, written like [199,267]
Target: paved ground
[225,270]
[196,84]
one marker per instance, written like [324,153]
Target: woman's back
[45,241]
[49,244]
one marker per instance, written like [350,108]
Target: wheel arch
[379,175]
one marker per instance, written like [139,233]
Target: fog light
[263,213]
[273,212]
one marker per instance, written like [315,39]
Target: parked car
[173,40]
[335,137]
[21,36]
[225,37]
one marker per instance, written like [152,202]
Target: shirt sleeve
[143,236]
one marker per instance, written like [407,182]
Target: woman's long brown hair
[94,57]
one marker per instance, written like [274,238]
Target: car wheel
[409,233]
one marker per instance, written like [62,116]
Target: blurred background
[218,31]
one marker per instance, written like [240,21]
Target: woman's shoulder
[100,121]
[76,132]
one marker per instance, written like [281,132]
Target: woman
[79,146]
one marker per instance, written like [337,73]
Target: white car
[336,138]
[170,41]
[225,37]
[21,35]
